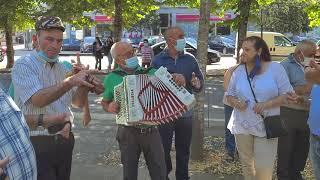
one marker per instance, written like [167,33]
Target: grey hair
[304,45]
[113,52]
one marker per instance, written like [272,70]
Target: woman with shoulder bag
[256,90]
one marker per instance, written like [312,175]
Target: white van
[279,45]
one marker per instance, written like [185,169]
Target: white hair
[305,45]
[113,52]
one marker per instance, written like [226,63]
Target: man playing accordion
[134,138]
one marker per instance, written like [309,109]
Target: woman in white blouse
[270,85]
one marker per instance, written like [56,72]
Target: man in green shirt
[134,139]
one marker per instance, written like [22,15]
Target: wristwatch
[40,122]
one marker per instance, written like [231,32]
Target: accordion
[146,99]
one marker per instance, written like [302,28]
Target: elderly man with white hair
[293,149]
[133,139]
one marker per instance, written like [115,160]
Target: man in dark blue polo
[183,67]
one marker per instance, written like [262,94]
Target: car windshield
[192,42]
[227,40]
[89,40]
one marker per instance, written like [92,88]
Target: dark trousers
[230,143]
[133,141]
[54,156]
[182,129]
[293,149]
[145,64]
[98,63]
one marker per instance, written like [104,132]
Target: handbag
[274,125]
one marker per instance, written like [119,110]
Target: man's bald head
[171,36]
[305,45]
[305,49]
[172,31]
[119,47]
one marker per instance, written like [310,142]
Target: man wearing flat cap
[44,86]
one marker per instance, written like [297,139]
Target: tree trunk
[118,20]
[198,121]
[9,44]
[244,9]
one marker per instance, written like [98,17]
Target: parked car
[222,44]
[86,44]
[155,39]
[128,40]
[296,39]
[71,45]
[279,45]
[191,47]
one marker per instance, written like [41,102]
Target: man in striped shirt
[43,86]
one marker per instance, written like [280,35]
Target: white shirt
[268,85]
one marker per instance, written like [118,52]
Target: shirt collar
[45,63]
[166,52]
[292,59]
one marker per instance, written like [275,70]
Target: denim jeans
[315,155]
[230,144]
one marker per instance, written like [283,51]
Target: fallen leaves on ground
[214,160]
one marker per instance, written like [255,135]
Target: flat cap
[49,22]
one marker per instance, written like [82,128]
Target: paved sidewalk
[97,140]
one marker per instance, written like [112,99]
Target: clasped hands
[83,76]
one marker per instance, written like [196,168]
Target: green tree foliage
[285,16]
[15,14]
[313,10]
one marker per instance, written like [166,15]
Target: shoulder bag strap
[254,95]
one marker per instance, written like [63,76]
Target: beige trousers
[257,156]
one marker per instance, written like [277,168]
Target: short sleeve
[231,90]
[152,71]
[281,79]
[108,93]
[25,81]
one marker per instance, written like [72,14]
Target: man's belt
[52,130]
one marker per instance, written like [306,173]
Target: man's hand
[65,132]
[312,74]
[77,66]
[3,163]
[179,79]
[56,119]
[195,81]
[114,107]
[98,86]
[82,78]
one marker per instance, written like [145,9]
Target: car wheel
[224,50]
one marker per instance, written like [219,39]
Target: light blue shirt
[294,71]
[268,85]
[314,113]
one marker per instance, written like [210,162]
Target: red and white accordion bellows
[149,99]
